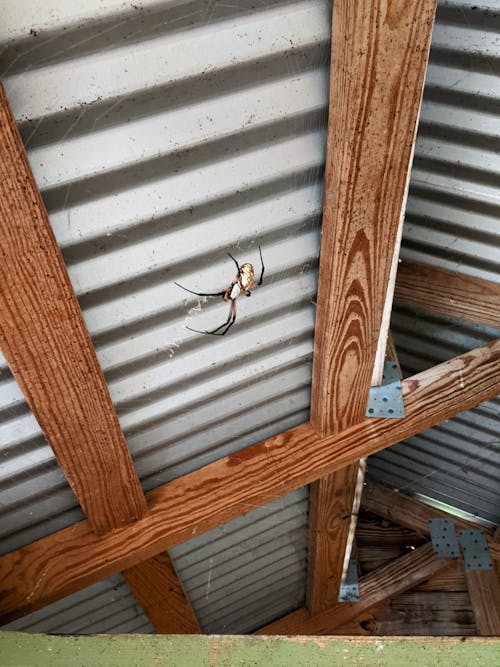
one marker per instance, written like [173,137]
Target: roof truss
[365,193]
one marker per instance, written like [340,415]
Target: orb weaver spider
[242,283]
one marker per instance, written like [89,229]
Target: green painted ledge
[22,649]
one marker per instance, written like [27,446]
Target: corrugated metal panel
[163,134]
[242,575]
[188,130]
[458,461]
[453,207]
[105,607]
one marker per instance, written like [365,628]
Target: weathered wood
[484,591]
[379,55]
[158,590]
[386,582]
[20,648]
[406,511]
[330,506]
[449,293]
[49,351]
[46,343]
[430,613]
[73,558]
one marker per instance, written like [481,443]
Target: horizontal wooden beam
[156,586]
[49,351]
[73,558]
[387,581]
[23,648]
[449,293]
[412,513]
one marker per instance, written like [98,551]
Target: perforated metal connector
[349,590]
[476,554]
[387,400]
[444,539]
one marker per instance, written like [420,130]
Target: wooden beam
[330,506]
[388,581]
[49,351]
[412,513]
[48,348]
[449,293]
[379,56]
[158,590]
[73,558]
[484,592]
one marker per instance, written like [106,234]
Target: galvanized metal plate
[476,554]
[349,590]
[387,400]
[443,537]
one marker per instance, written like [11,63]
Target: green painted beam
[23,649]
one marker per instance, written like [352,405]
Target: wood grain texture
[330,505]
[484,591]
[406,511]
[386,582]
[73,558]
[49,351]
[158,590]
[449,293]
[379,56]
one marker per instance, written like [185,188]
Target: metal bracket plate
[387,400]
[349,590]
[476,554]
[444,539]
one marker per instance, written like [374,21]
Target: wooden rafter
[379,58]
[49,351]
[449,293]
[381,49]
[387,581]
[156,586]
[412,513]
[73,558]
[330,507]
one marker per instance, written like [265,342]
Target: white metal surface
[163,134]
[105,607]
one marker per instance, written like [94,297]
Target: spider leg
[227,324]
[263,268]
[254,285]
[237,265]
[201,293]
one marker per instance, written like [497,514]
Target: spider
[242,283]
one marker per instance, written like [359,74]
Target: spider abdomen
[246,274]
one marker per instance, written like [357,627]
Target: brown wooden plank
[406,511]
[73,558]
[330,505]
[158,590]
[449,293]
[484,591]
[386,582]
[379,55]
[49,351]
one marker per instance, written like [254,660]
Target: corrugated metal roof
[242,575]
[457,462]
[165,133]
[105,607]
[151,166]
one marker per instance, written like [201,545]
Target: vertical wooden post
[379,57]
